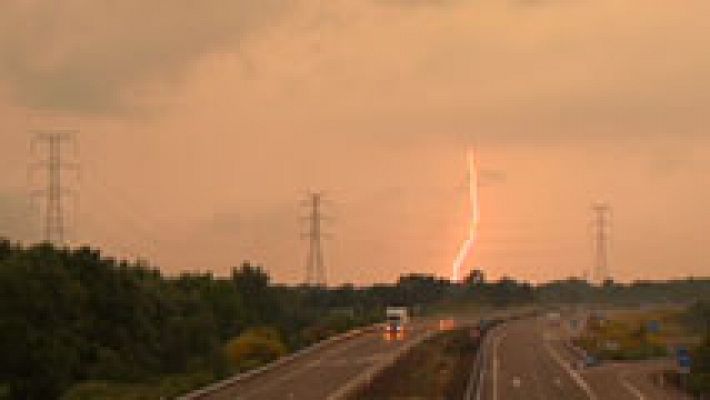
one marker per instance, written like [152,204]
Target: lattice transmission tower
[53,192]
[315,268]
[602,227]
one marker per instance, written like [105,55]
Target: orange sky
[203,124]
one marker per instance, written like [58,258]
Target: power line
[315,267]
[115,199]
[602,219]
[54,192]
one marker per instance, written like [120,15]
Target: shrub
[254,347]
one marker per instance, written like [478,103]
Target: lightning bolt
[468,244]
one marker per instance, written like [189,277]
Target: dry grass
[436,369]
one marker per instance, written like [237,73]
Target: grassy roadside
[436,369]
[635,335]
[647,334]
[165,387]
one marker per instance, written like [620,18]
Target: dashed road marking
[572,373]
[631,388]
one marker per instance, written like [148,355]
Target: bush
[699,383]
[700,372]
[254,347]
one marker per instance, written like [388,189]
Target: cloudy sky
[203,124]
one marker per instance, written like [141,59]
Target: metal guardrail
[475,380]
[225,383]
[473,389]
[478,369]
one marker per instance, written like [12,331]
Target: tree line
[71,316]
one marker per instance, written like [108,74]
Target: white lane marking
[631,388]
[313,364]
[495,365]
[483,348]
[517,382]
[572,373]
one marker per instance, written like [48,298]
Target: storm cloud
[85,55]
[373,102]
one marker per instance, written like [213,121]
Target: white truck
[397,318]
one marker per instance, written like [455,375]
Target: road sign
[654,326]
[683,358]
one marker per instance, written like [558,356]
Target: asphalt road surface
[632,381]
[521,363]
[321,374]
[528,359]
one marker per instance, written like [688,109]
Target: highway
[520,363]
[521,359]
[631,381]
[323,373]
[528,359]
